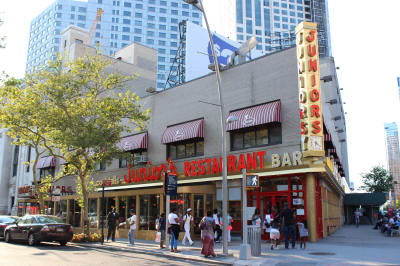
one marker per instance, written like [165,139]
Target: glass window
[15,161]
[181,202]
[163,10]
[185,149]
[195,15]
[81,9]
[125,37]
[174,20]
[63,209]
[138,15]
[127,13]
[122,211]
[267,21]
[127,4]
[249,27]
[139,6]
[174,12]
[149,211]
[273,184]
[126,29]
[136,30]
[93,221]
[74,213]
[235,209]
[162,34]
[257,4]
[162,19]
[126,21]
[48,207]
[151,9]
[249,139]
[248,9]
[198,211]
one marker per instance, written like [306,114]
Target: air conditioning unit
[140,159]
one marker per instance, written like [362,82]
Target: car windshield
[49,220]
[7,219]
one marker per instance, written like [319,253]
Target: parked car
[6,221]
[38,228]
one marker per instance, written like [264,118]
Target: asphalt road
[20,254]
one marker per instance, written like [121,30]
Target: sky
[365,44]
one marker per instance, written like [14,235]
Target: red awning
[257,115]
[188,130]
[134,142]
[46,162]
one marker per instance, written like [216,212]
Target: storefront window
[235,210]
[122,211]
[189,148]
[63,209]
[181,202]
[209,202]
[131,204]
[93,213]
[32,208]
[48,207]
[74,213]
[198,212]
[20,209]
[256,136]
[149,211]
[273,184]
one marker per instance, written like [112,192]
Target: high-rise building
[272,22]
[398,86]
[393,154]
[149,22]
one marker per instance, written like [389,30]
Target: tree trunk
[85,207]
[36,183]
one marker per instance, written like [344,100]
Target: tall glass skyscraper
[272,22]
[150,22]
[393,154]
[398,86]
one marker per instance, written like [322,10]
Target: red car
[38,228]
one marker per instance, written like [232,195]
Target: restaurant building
[184,136]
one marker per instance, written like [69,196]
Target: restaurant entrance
[274,192]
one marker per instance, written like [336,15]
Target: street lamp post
[199,5]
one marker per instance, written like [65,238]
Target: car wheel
[7,237]
[63,243]
[32,240]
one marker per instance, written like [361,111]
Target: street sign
[252,181]
[55,198]
[170,184]
[107,183]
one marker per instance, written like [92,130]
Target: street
[17,254]
[348,246]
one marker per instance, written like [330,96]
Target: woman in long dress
[207,226]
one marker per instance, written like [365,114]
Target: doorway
[264,201]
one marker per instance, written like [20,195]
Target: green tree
[18,113]
[83,110]
[377,180]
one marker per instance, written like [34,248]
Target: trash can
[254,239]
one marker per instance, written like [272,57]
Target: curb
[180,257]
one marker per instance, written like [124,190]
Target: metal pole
[223,137]
[244,247]
[167,207]
[102,216]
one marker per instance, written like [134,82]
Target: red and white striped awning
[188,130]
[46,162]
[256,115]
[134,142]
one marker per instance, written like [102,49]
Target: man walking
[217,228]
[112,218]
[289,228]
[357,215]
[187,219]
[132,227]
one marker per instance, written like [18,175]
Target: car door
[26,227]
[16,232]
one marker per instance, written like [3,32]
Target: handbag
[158,237]
[202,225]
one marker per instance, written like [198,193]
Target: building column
[311,207]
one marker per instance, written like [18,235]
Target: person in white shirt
[173,220]
[187,219]
[132,227]
[217,228]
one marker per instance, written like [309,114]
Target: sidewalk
[348,246]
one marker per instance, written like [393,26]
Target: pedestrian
[357,215]
[132,227]
[289,229]
[112,219]
[274,233]
[187,220]
[174,229]
[256,218]
[230,220]
[303,232]
[207,226]
[162,224]
[268,221]
[217,227]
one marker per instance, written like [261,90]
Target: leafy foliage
[377,180]
[76,111]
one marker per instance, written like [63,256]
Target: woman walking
[274,233]
[162,224]
[173,220]
[207,226]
